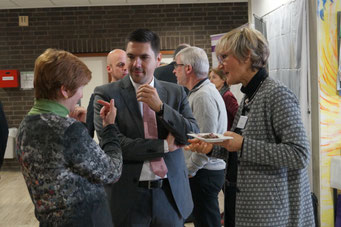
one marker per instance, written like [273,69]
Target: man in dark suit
[165,72]
[143,196]
[3,134]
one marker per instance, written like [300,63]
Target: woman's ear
[64,92]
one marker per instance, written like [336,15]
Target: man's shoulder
[207,91]
[164,68]
[206,88]
[108,87]
[169,85]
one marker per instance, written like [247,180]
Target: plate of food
[210,137]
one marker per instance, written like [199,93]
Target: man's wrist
[160,112]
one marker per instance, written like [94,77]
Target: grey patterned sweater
[272,179]
[65,169]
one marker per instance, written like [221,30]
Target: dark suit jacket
[165,73]
[177,119]
[3,134]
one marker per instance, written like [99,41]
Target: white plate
[213,140]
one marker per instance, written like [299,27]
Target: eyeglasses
[176,65]
[221,58]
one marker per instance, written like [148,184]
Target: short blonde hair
[243,41]
[55,68]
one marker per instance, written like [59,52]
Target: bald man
[116,64]
[117,69]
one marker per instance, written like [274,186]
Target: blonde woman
[267,181]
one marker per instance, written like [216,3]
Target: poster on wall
[214,40]
[26,80]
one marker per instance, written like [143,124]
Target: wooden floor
[16,207]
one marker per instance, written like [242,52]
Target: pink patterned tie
[158,165]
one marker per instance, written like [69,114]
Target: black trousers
[231,190]
[154,208]
[205,187]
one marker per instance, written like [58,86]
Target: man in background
[3,134]
[165,72]
[117,69]
[206,174]
[116,64]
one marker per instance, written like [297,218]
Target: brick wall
[100,29]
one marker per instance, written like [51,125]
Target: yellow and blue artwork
[329,100]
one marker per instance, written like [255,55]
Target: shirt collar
[136,85]
[199,83]
[48,106]
[224,89]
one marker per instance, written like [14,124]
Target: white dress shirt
[146,173]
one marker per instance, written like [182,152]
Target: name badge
[242,122]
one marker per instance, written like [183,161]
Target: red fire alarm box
[9,78]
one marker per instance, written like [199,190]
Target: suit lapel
[164,98]
[129,96]
[160,90]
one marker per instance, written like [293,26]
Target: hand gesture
[108,112]
[171,143]
[78,113]
[149,95]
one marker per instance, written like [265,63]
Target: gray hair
[197,58]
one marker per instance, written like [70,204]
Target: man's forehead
[119,57]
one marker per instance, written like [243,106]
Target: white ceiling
[16,4]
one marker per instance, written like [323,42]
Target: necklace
[247,100]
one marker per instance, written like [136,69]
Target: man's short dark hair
[180,47]
[143,35]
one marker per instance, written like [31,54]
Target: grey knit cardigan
[272,179]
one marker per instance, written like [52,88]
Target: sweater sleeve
[86,157]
